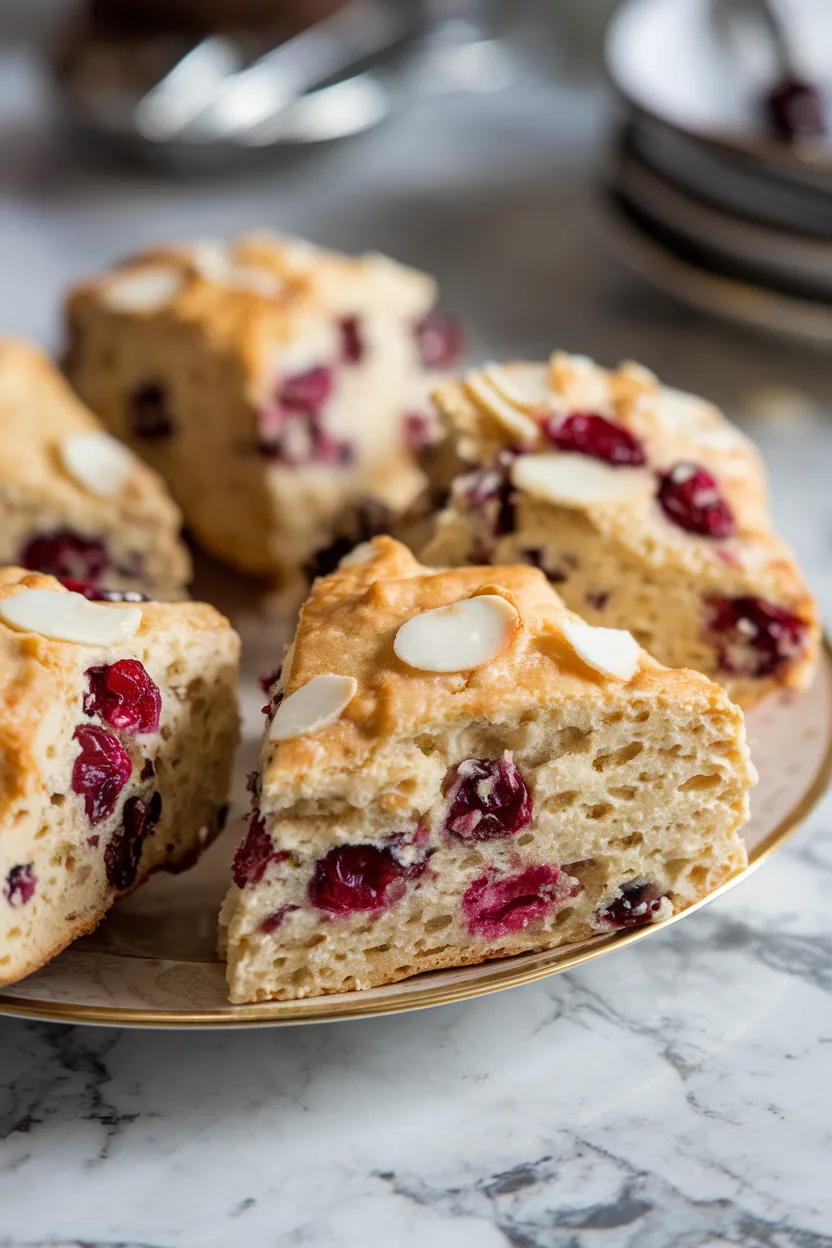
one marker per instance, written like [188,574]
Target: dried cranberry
[20,884]
[307,391]
[296,438]
[353,349]
[274,921]
[271,678]
[635,905]
[97,594]
[124,696]
[495,908]
[439,340]
[690,497]
[756,638]
[491,490]
[255,854]
[353,878]
[100,771]
[590,434]
[66,553]
[795,110]
[123,851]
[420,431]
[487,798]
[149,414]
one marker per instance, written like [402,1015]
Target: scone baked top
[41,679]
[348,627]
[38,415]
[258,292]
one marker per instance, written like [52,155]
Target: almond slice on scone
[644,506]
[456,768]
[117,733]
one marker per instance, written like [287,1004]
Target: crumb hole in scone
[602,762]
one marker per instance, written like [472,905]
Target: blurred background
[643,180]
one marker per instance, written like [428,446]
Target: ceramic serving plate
[152,962]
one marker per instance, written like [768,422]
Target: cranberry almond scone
[117,732]
[75,502]
[457,768]
[279,388]
[642,504]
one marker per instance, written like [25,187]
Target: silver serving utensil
[355,35]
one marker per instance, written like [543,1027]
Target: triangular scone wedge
[281,389]
[75,502]
[438,787]
[118,725]
[643,505]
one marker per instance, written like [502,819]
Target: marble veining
[674,1094]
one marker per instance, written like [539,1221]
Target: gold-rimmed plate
[152,962]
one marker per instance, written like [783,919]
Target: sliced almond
[523,385]
[317,703]
[69,617]
[610,651]
[578,480]
[518,425]
[144,289]
[98,462]
[459,637]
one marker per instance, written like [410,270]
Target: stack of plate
[702,201]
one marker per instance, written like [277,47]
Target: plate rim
[506,972]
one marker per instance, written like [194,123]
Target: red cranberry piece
[65,553]
[352,878]
[271,678]
[274,921]
[148,411]
[307,391]
[495,908]
[20,884]
[795,110]
[488,798]
[96,594]
[255,854]
[490,488]
[756,637]
[123,851]
[690,497]
[420,431]
[590,434]
[439,340]
[295,438]
[353,349]
[635,905]
[124,696]
[100,771]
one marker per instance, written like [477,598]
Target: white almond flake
[364,552]
[315,705]
[518,425]
[144,289]
[459,637]
[214,262]
[517,385]
[98,462]
[69,617]
[610,651]
[578,480]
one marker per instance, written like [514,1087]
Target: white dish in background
[743,302]
[152,962]
[769,255]
[669,60]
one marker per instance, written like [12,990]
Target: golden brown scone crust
[652,575]
[38,410]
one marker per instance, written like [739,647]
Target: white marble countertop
[676,1093]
